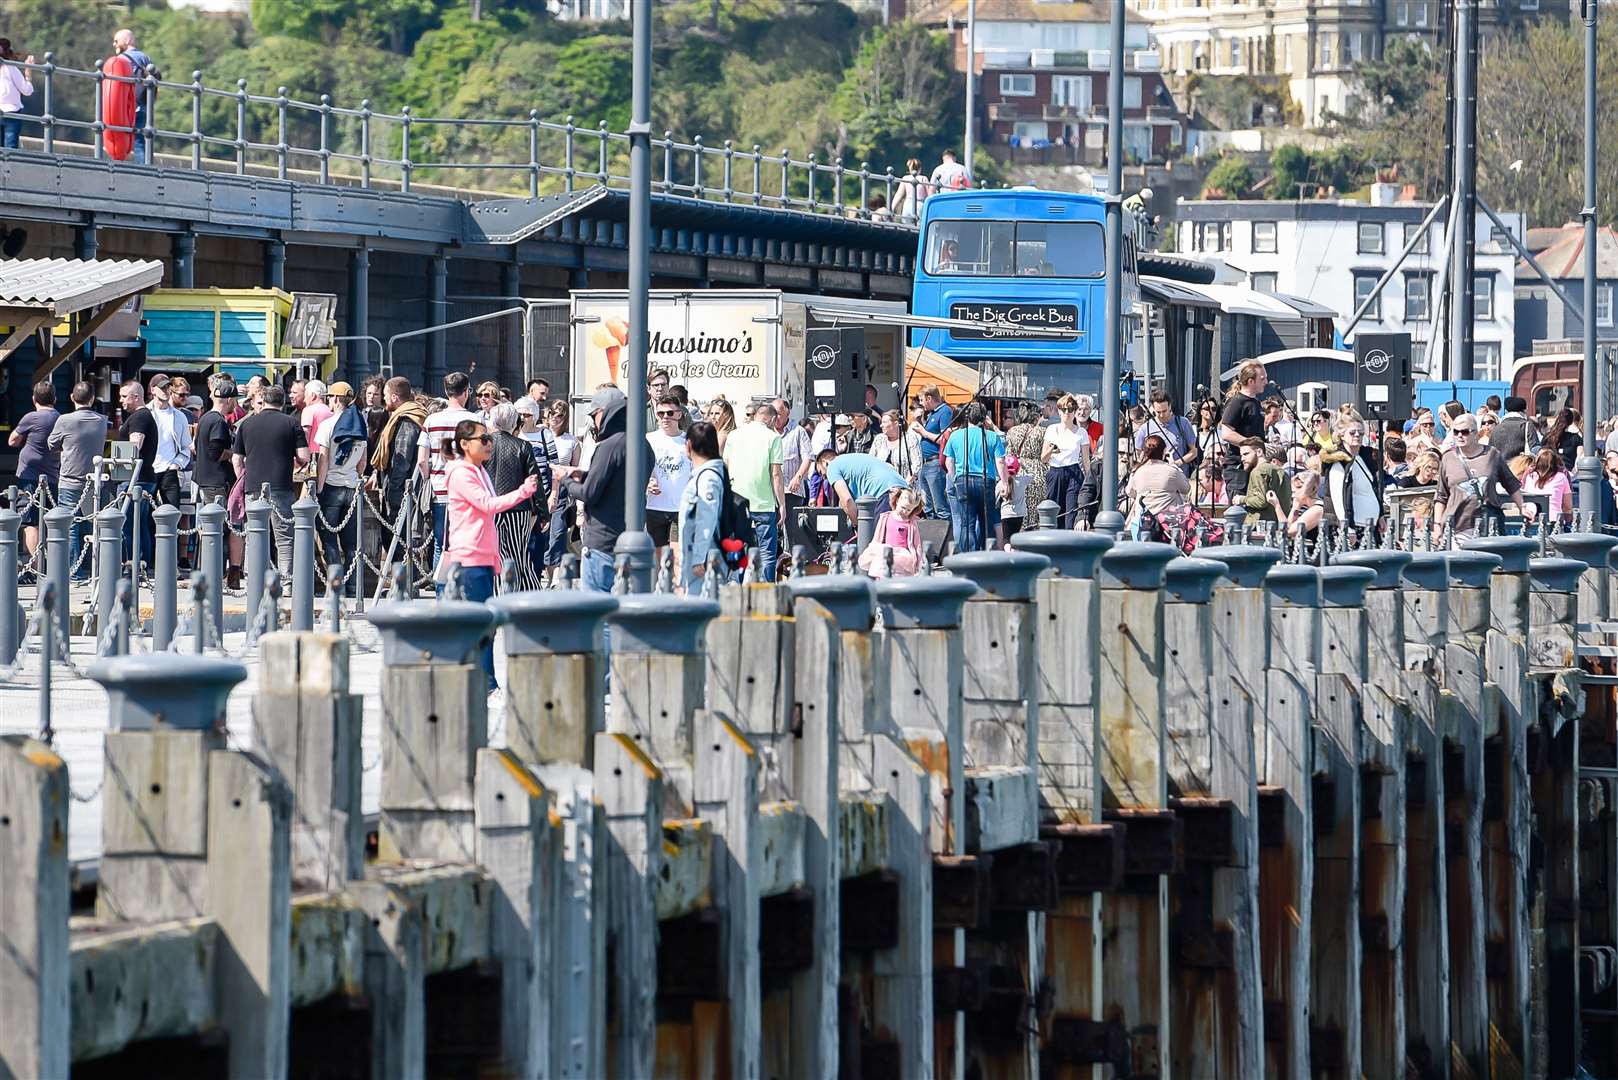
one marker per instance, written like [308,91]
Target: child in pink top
[1549,477]
[896,531]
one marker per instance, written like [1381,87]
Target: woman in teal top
[975,459]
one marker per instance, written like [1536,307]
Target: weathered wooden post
[1284,750]
[1217,1006]
[750,663]
[1507,822]
[1133,752]
[435,718]
[1089,852]
[555,668]
[1385,709]
[658,672]
[1470,720]
[921,644]
[1241,650]
[874,761]
[1553,618]
[1338,752]
[306,723]
[1426,911]
[520,849]
[1000,724]
[191,829]
[35,1029]
[1594,550]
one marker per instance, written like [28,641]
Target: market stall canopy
[923,367]
[36,293]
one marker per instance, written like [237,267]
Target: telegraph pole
[971,82]
[1109,520]
[1466,176]
[633,541]
[1589,466]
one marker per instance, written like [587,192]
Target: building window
[1264,281]
[1131,92]
[1235,52]
[1483,297]
[1486,360]
[1210,236]
[1500,238]
[1603,305]
[1323,52]
[1401,13]
[1363,284]
[1174,134]
[1016,86]
[1418,297]
[1264,237]
[1370,238]
[1414,229]
[1026,131]
[1072,91]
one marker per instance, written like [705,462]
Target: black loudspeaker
[835,375]
[1382,376]
[935,534]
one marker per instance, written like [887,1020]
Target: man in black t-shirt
[212,469]
[269,444]
[140,428]
[1241,419]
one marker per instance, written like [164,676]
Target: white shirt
[14,86]
[1071,445]
[671,467]
[345,473]
[951,174]
[173,440]
[441,426]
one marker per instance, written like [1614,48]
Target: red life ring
[118,108]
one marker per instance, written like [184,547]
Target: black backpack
[734,535]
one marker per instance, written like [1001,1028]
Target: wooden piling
[555,669]
[1385,711]
[1286,773]
[154,825]
[307,724]
[249,897]
[35,1034]
[1470,719]
[629,786]
[518,845]
[395,979]
[1426,908]
[1133,752]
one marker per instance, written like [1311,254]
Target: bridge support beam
[275,263]
[359,310]
[185,260]
[432,372]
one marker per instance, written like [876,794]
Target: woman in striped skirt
[511,461]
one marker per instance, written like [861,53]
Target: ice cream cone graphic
[611,337]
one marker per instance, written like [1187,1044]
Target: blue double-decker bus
[1019,257]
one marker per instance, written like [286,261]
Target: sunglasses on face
[486,394]
[485,438]
[667,414]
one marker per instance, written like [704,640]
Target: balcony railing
[216,129]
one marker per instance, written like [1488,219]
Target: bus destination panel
[1042,316]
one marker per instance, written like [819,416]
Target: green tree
[901,97]
[1396,114]
[1230,178]
[392,23]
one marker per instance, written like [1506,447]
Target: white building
[1334,252]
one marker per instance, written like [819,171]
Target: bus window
[1552,398]
[1064,249]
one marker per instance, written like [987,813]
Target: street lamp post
[1589,466]
[971,83]
[633,541]
[1108,519]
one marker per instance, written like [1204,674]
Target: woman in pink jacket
[470,536]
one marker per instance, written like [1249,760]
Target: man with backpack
[600,490]
[753,460]
[951,175]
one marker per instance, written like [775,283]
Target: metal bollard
[1236,525]
[1047,512]
[272,590]
[211,541]
[359,551]
[165,571]
[866,525]
[201,594]
[120,615]
[109,550]
[59,553]
[303,563]
[256,558]
[10,612]
[48,598]
[334,599]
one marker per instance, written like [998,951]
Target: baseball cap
[340,389]
[607,399]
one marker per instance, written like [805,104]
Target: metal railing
[191,124]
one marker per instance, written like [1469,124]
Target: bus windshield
[1046,249]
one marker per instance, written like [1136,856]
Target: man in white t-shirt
[440,426]
[337,476]
[315,410]
[951,175]
[671,471]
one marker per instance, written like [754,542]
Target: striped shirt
[439,427]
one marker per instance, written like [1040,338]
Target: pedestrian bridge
[400,215]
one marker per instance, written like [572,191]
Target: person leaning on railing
[16,83]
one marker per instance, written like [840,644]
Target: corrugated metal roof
[63,286]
